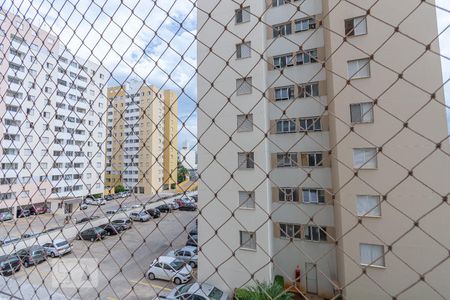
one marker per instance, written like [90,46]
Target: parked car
[141,216]
[124,194]
[21,213]
[169,268]
[179,202]
[109,197]
[32,255]
[29,235]
[193,232]
[9,240]
[124,223]
[195,198]
[58,247]
[188,254]
[197,291]
[92,234]
[164,208]
[98,202]
[192,241]
[38,210]
[111,229]
[6,216]
[173,205]
[154,213]
[83,206]
[189,207]
[86,219]
[9,264]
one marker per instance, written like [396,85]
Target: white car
[99,201]
[169,268]
[202,291]
[187,254]
[58,247]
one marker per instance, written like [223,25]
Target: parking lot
[113,268]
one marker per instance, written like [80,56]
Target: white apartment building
[294,185]
[53,118]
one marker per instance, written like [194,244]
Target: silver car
[141,216]
[187,254]
[58,247]
[196,291]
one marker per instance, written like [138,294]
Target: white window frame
[247,240]
[315,234]
[288,194]
[286,126]
[244,86]
[358,68]
[313,196]
[367,158]
[245,123]
[283,61]
[365,113]
[307,90]
[287,160]
[284,93]
[368,206]
[359,26]
[289,231]
[305,24]
[244,50]
[247,199]
[312,124]
[307,57]
[242,15]
[375,255]
[280,30]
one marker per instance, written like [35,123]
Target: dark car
[123,223]
[154,213]
[193,232]
[21,213]
[6,216]
[195,198]
[189,207]
[109,197]
[9,264]
[164,208]
[192,240]
[38,210]
[87,219]
[92,234]
[32,255]
[111,229]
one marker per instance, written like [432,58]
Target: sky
[151,40]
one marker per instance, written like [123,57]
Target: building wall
[59,109]
[170,137]
[407,198]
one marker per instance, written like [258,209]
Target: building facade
[310,176]
[136,137]
[170,139]
[53,118]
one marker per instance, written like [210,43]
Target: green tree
[118,189]
[182,172]
[263,291]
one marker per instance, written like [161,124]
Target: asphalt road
[110,269]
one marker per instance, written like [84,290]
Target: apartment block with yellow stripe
[136,137]
[170,138]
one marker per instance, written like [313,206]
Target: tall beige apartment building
[170,139]
[135,145]
[333,164]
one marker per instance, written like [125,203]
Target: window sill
[362,169]
[358,78]
[247,208]
[247,249]
[369,217]
[374,266]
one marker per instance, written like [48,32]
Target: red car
[37,210]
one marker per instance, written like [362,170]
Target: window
[287,160]
[27,152]
[29,138]
[290,231]
[284,93]
[313,196]
[312,159]
[25,194]
[244,50]
[43,192]
[245,123]
[49,65]
[282,29]
[361,112]
[308,90]
[246,160]
[45,140]
[315,233]
[371,255]
[310,124]
[368,206]
[244,86]
[288,194]
[47,89]
[305,24]
[248,240]
[242,15]
[307,57]
[246,199]
[286,126]
[359,68]
[282,61]
[88,175]
[356,26]
[365,158]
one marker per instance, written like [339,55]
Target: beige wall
[170,137]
